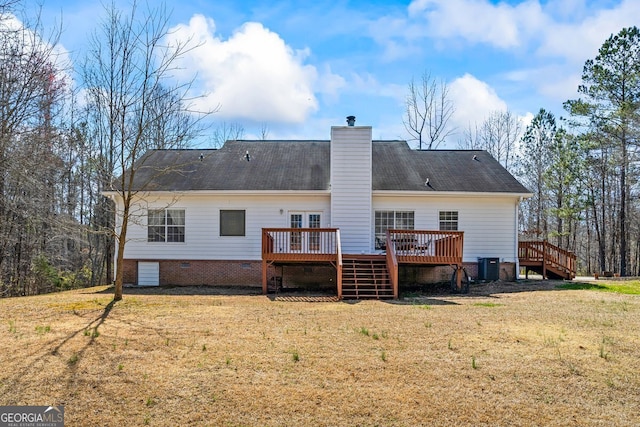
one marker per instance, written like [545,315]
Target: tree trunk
[122,238]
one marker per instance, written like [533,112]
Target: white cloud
[568,29]
[479,21]
[551,39]
[578,41]
[253,75]
[554,81]
[566,9]
[474,100]
[526,120]
[330,85]
[392,34]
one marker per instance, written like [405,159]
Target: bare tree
[264,131]
[471,138]
[128,76]
[427,111]
[498,134]
[227,132]
[30,92]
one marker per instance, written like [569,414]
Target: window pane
[232,223]
[155,234]
[404,220]
[314,220]
[175,234]
[296,221]
[156,217]
[175,217]
[155,222]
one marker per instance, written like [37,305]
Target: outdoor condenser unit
[488,269]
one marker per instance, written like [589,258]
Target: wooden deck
[316,245]
[417,247]
[301,245]
[546,259]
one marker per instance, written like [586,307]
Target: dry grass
[165,358]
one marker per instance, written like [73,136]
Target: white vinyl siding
[351,186]
[488,223]
[202,223]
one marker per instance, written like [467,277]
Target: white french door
[305,242]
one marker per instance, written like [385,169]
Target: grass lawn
[173,357]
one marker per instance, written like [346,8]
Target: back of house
[203,217]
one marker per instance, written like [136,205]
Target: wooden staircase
[365,277]
[547,259]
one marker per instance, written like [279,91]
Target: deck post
[544,259]
[264,276]
[459,278]
[338,251]
[392,264]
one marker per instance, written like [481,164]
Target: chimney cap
[351,120]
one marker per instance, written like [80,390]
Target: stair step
[366,278]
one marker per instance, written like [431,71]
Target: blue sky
[301,67]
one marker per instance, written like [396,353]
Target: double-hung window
[165,225]
[389,220]
[448,220]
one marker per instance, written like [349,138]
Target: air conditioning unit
[488,269]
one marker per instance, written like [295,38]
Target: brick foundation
[409,274]
[196,273]
[249,273]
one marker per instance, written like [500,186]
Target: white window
[386,220]
[232,223]
[448,220]
[165,225]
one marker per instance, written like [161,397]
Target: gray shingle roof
[305,165]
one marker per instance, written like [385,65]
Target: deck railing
[323,245]
[299,244]
[548,255]
[426,246]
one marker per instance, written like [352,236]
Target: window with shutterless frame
[232,222]
[386,220]
[166,225]
[448,220]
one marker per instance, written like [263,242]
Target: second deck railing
[427,246]
[547,254]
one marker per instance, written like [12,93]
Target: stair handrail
[549,254]
[392,264]
[338,264]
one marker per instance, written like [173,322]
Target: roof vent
[351,120]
